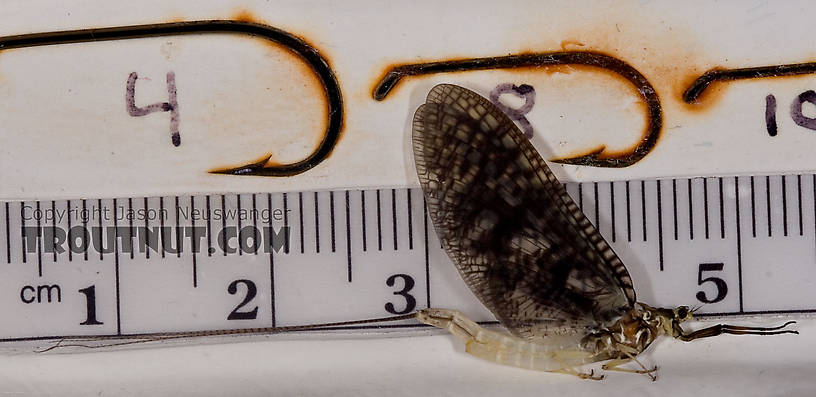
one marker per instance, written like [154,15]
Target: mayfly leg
[583,375]
[616,365]
[720,329]
[85,343]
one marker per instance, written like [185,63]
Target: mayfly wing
[517,238]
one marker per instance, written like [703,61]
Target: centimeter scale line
[713,233]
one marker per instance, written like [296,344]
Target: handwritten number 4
[170,106]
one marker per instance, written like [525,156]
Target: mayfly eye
[682,312]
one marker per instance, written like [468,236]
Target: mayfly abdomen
[558,352]
[517,352]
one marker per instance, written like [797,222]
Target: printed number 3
[410,301]
[722,287]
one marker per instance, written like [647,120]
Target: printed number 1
[90,306]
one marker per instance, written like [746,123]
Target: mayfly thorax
[527,251]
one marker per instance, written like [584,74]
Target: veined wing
[519,241]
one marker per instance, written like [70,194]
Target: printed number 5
[722,287]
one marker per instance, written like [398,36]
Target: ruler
[735,245]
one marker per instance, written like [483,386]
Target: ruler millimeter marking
[138,265]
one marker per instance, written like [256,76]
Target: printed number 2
[236,314]
[410,301]
[722,287]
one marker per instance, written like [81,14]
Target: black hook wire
[297,45]
[596,158]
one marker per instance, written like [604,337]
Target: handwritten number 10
[795,112]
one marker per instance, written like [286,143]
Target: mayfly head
[682,313]
[668,321]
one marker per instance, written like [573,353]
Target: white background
[667,42]
[65,104]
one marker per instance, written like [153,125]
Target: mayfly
[527,251]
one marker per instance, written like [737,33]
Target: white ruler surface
[738,245]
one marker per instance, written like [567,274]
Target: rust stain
[707,101]
[248,16]
[567,45]
[176,18]
[669,57]
[245,15]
